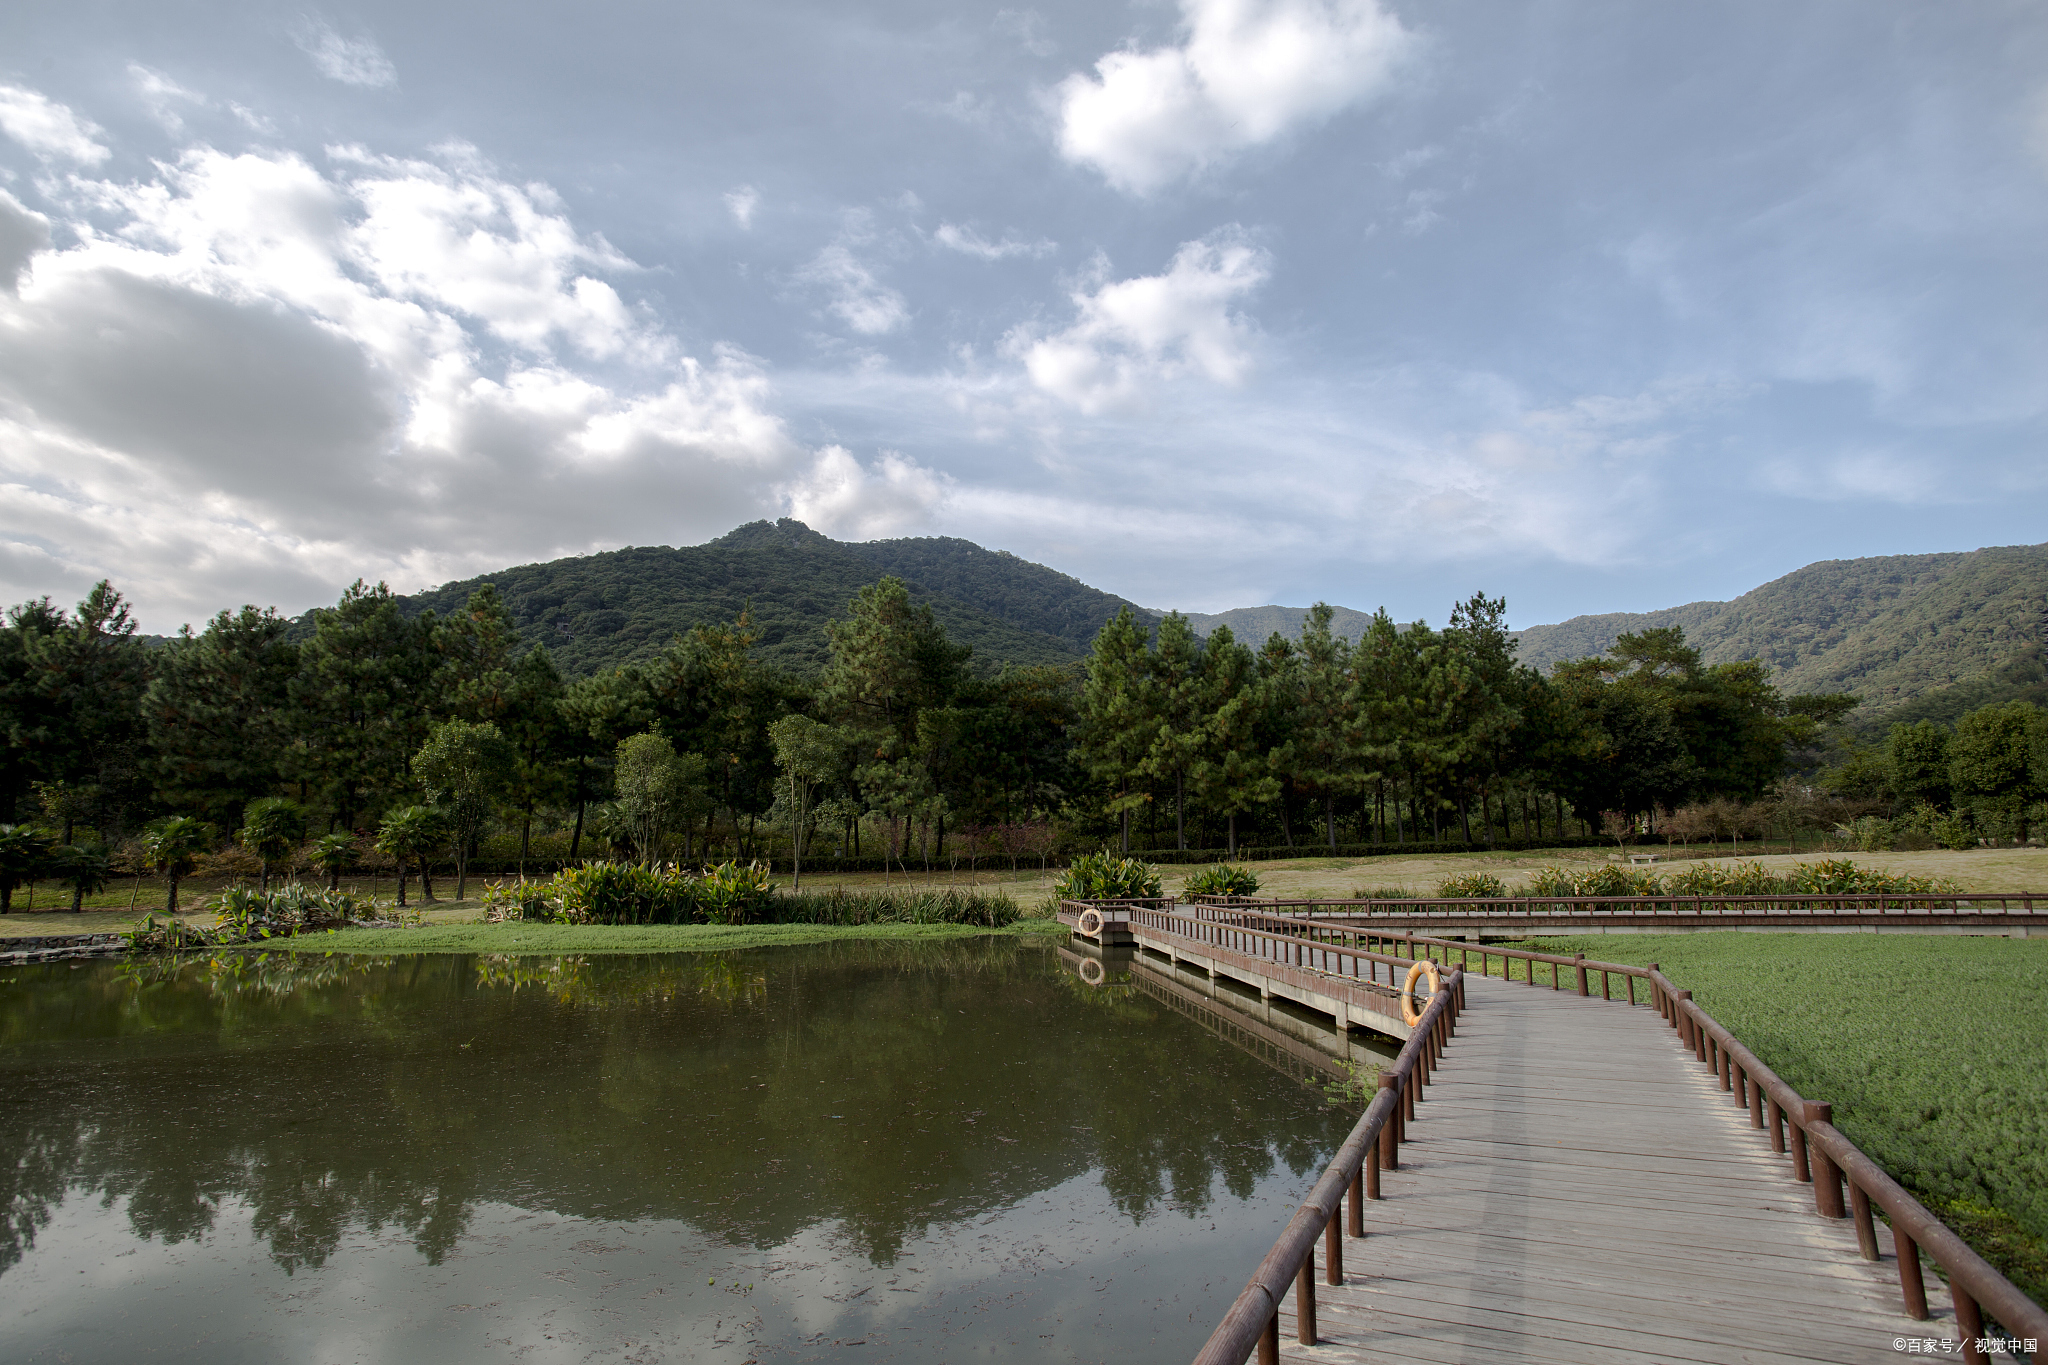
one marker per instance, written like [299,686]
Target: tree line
[381,722]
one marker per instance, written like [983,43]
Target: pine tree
[218,712]
[1116,726]
[1230,773]
[365,695]
[1173,714]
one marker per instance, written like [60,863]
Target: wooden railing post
[1827,1180]
[1305,1299]
[1581,957]
[1969,1322]
[1354,1200]
[1333,1251]
[1390,1132]
[1269,1340]
[1866,1226]
[1912,1286]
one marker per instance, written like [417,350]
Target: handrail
[1352,1177]
[1670,903]
[1355,936]
[1282,941]
[1823,1155]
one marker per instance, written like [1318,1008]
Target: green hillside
[1899,631]
[1253,625]
[599,611]
[1028,596]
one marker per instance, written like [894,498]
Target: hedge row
[542,868]
[1261,855]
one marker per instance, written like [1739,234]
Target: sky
[1598,306]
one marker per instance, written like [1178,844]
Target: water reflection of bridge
[1295,1042]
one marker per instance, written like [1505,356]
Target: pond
[855,1151]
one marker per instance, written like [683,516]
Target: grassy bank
[1934,1052]
[1989,870]
[607,938]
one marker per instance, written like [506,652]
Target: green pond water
[858,1151]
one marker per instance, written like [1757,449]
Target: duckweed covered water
[856,1151]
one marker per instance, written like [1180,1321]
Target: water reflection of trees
[888,1086]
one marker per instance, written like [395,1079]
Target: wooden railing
[1338,1199]
[1333,950]
[1323,936]
[1820,1153]
[1665,904]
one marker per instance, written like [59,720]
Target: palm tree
[412,832]
[86,867]
[271,829]
[170,845]
[24,855]
[331,854]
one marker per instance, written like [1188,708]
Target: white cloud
[1246,73]
[1133,334]
[161,95]
[254,379]
[49,129]
[888,497]
[352,61]
[968,242]
[23,233]
[741,203]
[862,302]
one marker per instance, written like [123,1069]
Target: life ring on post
[1091,921]
[1091,972]
[1410,1015]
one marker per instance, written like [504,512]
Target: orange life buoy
[1091,921]
[1410,1015]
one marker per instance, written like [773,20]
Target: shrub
[624,893]
[1471,886]
[291,908]
[520,900]
[1383,893]
[950,906]
[1840,877]
[1223,879]
[1732,879]
[731,894]
[1952,831]
[1868,834]
[1099,877]
[1604,879]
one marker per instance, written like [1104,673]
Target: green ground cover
[1934,1052]
[623,938]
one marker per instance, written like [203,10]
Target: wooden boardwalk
[1576,1188]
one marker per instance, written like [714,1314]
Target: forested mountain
[598,611]
[1257,624]
[1898,631]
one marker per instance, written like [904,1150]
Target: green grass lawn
[610,938]
[1933,1050]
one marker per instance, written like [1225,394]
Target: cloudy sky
[1212,303]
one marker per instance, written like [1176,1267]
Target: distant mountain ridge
[1913,635]
[1890,629]
[599,611]
[1253,625]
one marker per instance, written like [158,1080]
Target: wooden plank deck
[1576,1188]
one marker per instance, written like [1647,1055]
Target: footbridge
[1569,1160]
